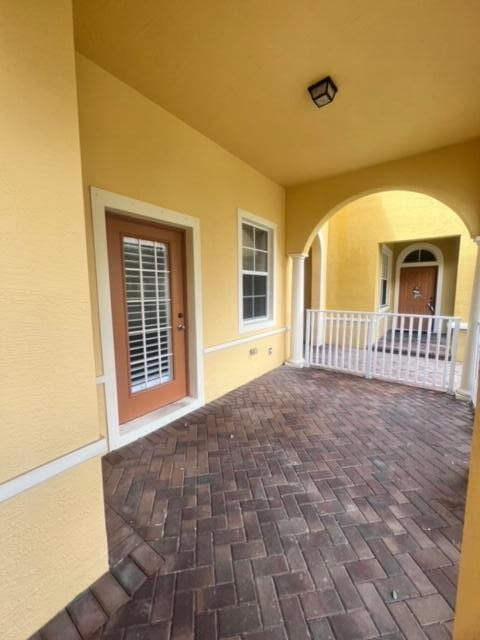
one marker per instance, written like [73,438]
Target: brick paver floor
[305,505]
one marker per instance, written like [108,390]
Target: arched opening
[457,292]
[368,239]
[366,255]
[373,233]
[319,215]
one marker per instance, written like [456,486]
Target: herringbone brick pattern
[306,505]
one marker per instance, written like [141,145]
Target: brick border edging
[84,616]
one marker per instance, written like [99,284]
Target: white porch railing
[411,349]
[477,364]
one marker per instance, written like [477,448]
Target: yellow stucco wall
[133,147]
[53,537]
[47,400]
[220,374]
[53,547]
[395,218]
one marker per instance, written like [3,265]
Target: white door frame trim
[439,262]
[103,201]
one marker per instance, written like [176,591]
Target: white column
[468,370]
[296,358]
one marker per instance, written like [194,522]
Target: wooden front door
[146,265]
[417,291]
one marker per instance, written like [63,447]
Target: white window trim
[245,326]
[384,250]
[102,202]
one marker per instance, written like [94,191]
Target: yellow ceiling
[408,73]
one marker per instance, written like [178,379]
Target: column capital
[298,256]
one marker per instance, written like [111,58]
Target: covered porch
[165,173]
[307,504]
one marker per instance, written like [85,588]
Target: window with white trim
[256,295]
[385,269]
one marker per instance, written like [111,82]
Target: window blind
[147,293]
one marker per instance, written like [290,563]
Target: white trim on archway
[439,262]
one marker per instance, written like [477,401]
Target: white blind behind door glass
[147,294]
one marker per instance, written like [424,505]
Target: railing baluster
[312,334]
[330,338]
[419,344]
[437,331]
[318,315]
[364,350]
[344,331]
[337,333]
[451,382]
[307,338]
[358,344]
[447,355]
[369,329]
[409,354]
[384,348]
[350,343]
[324,341]
[378,319]
[400,348]
[392,343]
[427,350]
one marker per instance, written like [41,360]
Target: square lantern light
[323,92]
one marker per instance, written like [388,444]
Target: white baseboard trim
[298,364]
[34,477]
[234,343]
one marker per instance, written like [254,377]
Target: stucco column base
[296,363]
[463,394]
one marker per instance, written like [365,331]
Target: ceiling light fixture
[323,92]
